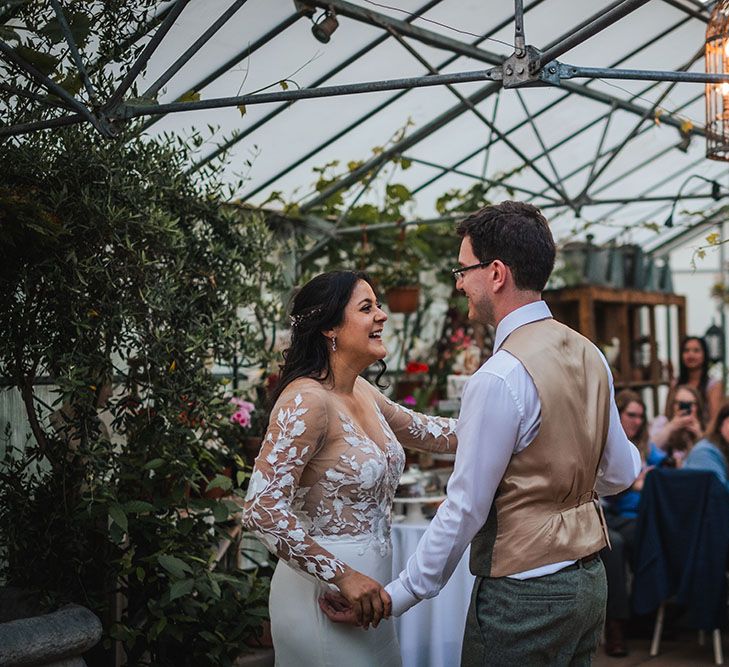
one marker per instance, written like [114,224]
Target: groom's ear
[501,274]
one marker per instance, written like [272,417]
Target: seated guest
[712,452]
[621,513]
[682,426]
[693,371]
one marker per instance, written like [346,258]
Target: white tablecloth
[431,632]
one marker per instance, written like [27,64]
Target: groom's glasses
[458,273]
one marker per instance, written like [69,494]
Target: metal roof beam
[488,145]
[232,62]
[141,61]
[440,121]
[437,40]
[687,10]
[636,128]
[688,234]
[380,20]
[557,187]
[604,20]
[653,186]
[367,115]
[152,91]
[239,136]
[460,172]
[632,170]
[377,19]
[429,37]
[631,200]
[553,147]
[629,55]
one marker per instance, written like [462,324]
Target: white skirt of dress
[302,634]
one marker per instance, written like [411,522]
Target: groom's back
[545,510]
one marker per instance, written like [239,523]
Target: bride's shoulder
[305,390]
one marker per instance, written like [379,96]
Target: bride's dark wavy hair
[317,306]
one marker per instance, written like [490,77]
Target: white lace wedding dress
[321,496]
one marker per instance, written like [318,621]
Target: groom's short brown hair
[517,234]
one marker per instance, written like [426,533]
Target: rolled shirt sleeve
[620,463]
[486,446]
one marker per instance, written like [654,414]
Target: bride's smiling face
[359,336]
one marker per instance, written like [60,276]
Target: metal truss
[527,66]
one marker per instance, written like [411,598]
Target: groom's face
[474,284]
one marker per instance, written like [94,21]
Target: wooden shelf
[609,314]
[640,384]
[615,295]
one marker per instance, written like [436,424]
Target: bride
[321,493]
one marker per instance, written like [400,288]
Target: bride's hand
[370,602]
[337,609]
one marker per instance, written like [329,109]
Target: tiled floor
[683,652]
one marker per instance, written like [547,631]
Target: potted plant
[400,286]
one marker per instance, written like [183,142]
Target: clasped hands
[362,601]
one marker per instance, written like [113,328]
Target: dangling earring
[334,343]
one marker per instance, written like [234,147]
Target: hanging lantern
[717,94]
[714,338]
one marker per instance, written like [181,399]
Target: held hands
[337,609]
[363,601]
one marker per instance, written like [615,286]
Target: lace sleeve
[416,430]
[296,432]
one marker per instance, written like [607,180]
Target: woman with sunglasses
[683,425]
[693,371]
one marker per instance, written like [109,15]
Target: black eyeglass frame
[458,273]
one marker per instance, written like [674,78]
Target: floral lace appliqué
[316,480]
[269,498]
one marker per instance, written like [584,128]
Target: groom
[539,437]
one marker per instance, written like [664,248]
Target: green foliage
[119,270]
[393,255]
[100,30]
[464,201]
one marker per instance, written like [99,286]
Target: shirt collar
[532,312]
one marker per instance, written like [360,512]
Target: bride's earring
[334,343]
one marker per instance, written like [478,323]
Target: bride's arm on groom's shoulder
[416,430]
[296,431]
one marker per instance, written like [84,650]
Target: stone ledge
[258,657]
[55,639]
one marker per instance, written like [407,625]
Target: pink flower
[242,416]
[242,419]
[409,400]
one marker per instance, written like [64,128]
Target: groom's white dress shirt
[500,415]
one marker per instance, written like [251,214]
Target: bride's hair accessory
[296,320]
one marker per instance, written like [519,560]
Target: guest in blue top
[712,452]
[621,513]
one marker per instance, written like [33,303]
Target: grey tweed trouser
[553,620]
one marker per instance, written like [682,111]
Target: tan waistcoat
[546,510]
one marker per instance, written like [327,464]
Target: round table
[431,632]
